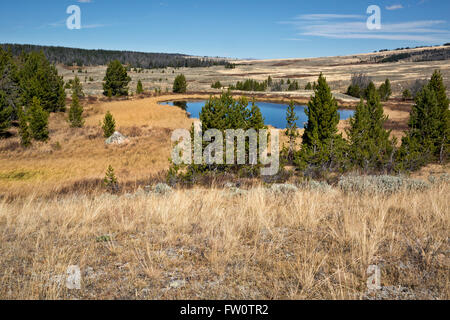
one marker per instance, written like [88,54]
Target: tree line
[84,57]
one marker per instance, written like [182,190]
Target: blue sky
[260,29]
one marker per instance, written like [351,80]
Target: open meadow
[248,240]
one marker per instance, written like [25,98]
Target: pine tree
[139,88]
[38,121]
[77,87]
[421,143]
[443,141]
[385,90]
[370,145]
[6,112]
[406,95]
[24,129]
[116,80]
[76,112]
[180,85]
[291,130]
[109,125]
[110,180]
[322,146]
[40,79]
[9,90]
[427,139]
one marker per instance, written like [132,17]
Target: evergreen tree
[24,129]
[109,125]
[38,118]
[180,85]
[443,141]
[385,90]
[370,145]
[9,90]
[116,80]
[427,139]
[6,112]
[269,81]
[406,95]
[77,87]
[40,79]
[322,146]
[76,112]
[139,88]
[110,180]
[291,130]
[419,145]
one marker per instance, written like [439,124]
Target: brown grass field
[209,244]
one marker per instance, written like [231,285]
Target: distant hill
[84,57]
[419,54]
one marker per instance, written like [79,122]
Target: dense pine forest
[83,57]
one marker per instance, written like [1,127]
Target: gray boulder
[284,188]
[117,138]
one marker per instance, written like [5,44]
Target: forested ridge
[84,57]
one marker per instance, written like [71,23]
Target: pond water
[274,113]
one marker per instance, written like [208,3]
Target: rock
[374,278]
[162,188]
[140,192]
[284,188]
[177,284]
[73,280]
[117,138]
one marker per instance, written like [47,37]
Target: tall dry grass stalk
[209,244]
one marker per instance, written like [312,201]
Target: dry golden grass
[80,155]
[307,245]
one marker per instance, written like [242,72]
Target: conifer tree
[110,180]
[406,95]
[322,146]
[24,129]
[180,85]
[370,145]
[291,130]
[76,112]
[77,87]
[6,112]
[109,125]
[443,141]
[40,79]
[385,90]
[427,139]
[421,143]
[139,88]
[9,90]
[38,119]
[116,80]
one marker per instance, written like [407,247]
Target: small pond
[274,113]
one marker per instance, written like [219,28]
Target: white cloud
[394,7]
[354,27]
